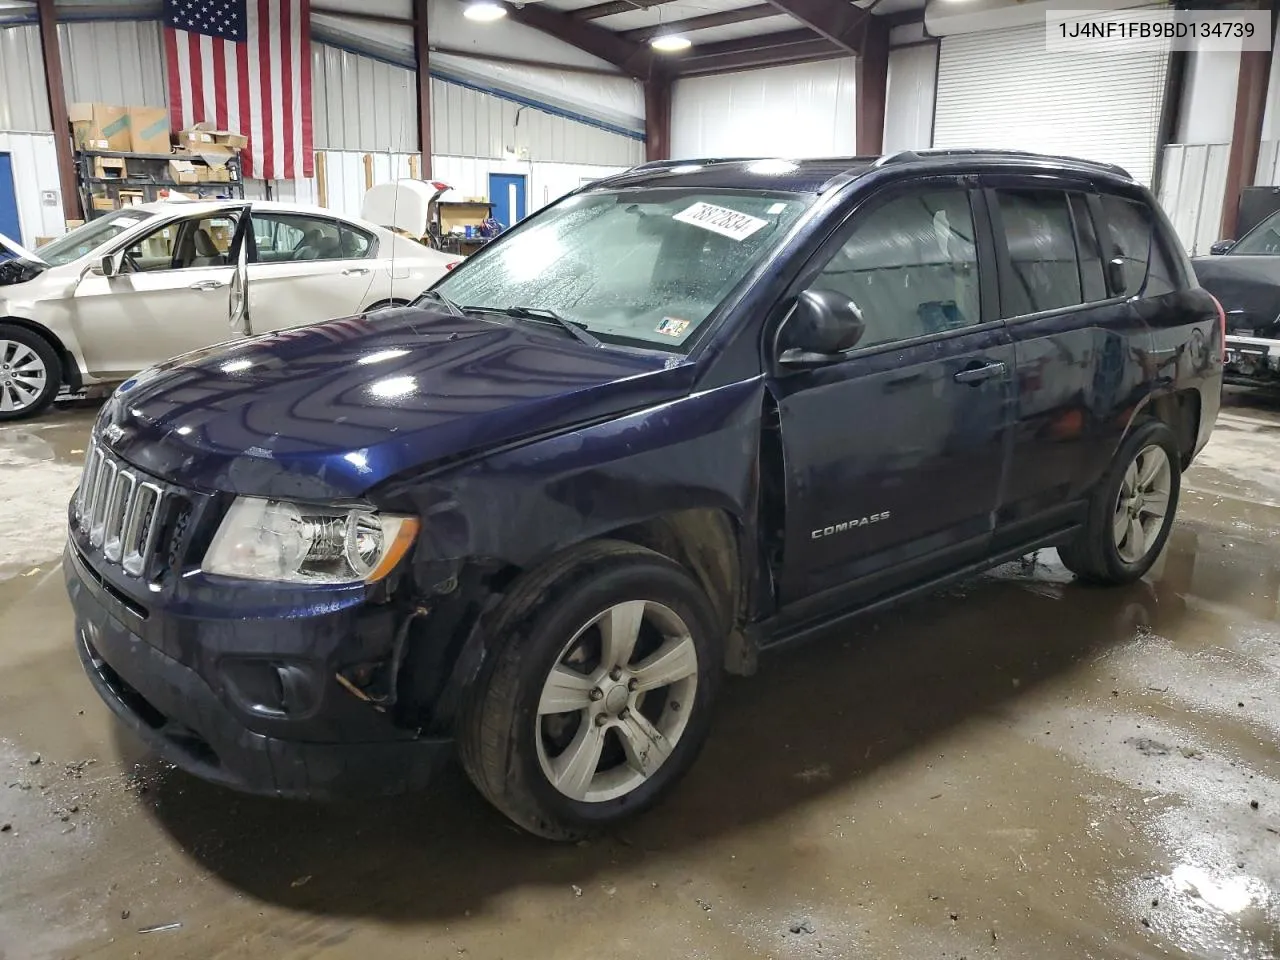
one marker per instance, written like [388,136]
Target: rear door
[1081,350]
[894,455]
[305,269]
[170,296]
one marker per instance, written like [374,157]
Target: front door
[170,296]
[507,194]
[894,455]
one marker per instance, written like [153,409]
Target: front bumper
[174,708]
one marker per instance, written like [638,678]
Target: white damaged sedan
[146,283]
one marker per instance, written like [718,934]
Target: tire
[1104,553]
[512,746]
[30,373]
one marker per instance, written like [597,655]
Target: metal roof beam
[722,19]
[838,20]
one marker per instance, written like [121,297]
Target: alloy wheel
[22,376]
[617,701]
[1142,503]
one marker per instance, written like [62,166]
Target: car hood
[1248,288]
[332,410]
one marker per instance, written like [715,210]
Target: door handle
[355,271]
[207,285]
[980,373]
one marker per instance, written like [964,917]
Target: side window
[911,266]
[354,244]
[291,236]
[1091,274]
[1132,239]
[195,242]
[1038,231]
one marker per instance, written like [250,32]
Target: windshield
[89,236]
[1264,239]
[642,267]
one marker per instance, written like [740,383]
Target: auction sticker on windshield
[721,220]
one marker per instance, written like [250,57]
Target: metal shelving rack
[148,172]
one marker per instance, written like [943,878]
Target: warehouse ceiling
[724,34]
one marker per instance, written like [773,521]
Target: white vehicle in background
[146,283]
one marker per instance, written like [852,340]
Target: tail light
[1222,325]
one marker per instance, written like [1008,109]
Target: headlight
[298,543]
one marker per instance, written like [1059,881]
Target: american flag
[245,66]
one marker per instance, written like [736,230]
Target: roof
[816,175]
[196,207]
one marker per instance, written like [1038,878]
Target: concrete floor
[1021,767]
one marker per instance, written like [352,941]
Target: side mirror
[823,325]
[108,266]
[1221,247]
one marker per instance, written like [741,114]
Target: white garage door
[1002,88]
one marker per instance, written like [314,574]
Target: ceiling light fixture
[484,11]
[670,43]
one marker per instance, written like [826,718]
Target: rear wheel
[30,373]
[1132,510]
[599,693]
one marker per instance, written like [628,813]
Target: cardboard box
[99,126]
[103,203]
[41,241]
[149,129]
[219,175]
[72,224]
[183,171]
[110,168]
[132,198]
[215,147]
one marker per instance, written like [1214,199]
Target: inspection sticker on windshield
[721,220]
[672,327]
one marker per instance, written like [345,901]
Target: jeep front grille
[119,510]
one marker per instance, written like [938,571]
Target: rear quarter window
[1133,238]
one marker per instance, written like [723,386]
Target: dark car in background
[687,414]
[1244,275]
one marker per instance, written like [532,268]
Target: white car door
[170,295]
[305,269]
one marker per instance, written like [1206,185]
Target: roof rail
[665,164]
[913,156]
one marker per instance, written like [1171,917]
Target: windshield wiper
[448,304]
[546,313]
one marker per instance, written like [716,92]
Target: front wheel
[599,692]
[30,373]
[1131,512]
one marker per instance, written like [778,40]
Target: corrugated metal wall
[24,103]
[361,103]
[1193,181]
[792,111]
[35,176]
[114,61]
[367,104]
[468,123]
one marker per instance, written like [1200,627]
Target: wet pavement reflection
[1022,767]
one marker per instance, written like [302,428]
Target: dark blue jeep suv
[684,414]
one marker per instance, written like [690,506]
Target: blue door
[506,193]
[8,201]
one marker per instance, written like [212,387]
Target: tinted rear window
[1132,237]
